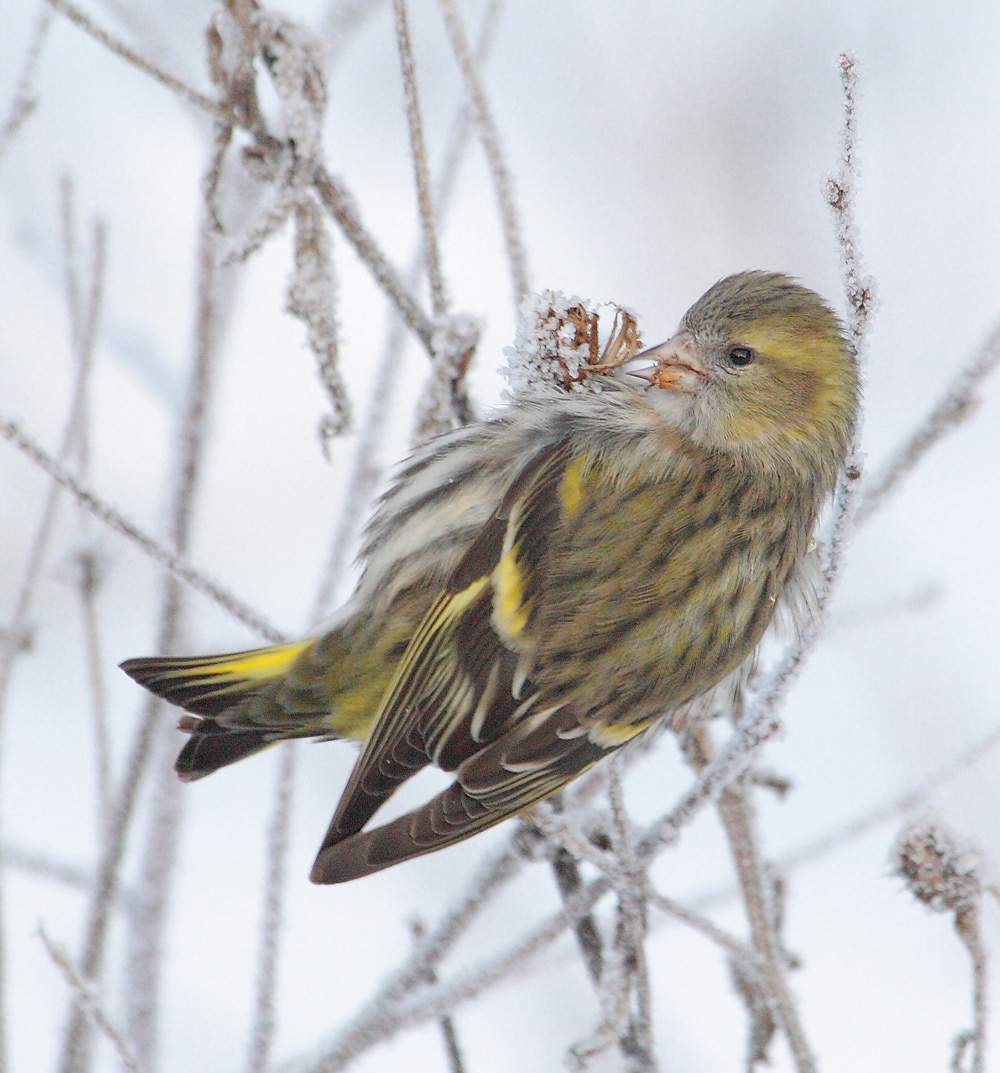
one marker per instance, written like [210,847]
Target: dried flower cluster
[558,343]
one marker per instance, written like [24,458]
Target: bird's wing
[523,766]
[453,691]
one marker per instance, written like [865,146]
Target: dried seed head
[560,341]
[938,865]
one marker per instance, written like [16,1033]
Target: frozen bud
[939,867]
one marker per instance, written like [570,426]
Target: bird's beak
[675,365]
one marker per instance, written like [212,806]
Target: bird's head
[760,367]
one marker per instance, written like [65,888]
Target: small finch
[541,587]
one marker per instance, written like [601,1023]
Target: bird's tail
[210,687]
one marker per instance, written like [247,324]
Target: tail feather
[211,685]
[212,746]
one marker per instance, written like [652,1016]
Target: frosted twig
[366,469]
[578,846]
[418,154]
[954,407]
[88,1004]
[393,1016]
[87,586]
[339,203]
[968,928]
[737,816]
[145,937]
[701,924]
[145,926]
[739,822]
[149,545]
[444,403]
[840,193]
[83,330]
[502,181]
[859,288]
[263,1028]
[312,298]
[637,1041]
[369,1025]
[446,1023]
[25,99]
[119,48]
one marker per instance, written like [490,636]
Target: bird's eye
[740,356]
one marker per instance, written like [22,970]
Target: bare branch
[119,48]
[339,203]
[87,1003]
[967,924]
[502,182]
[956,405]
[418,153]
[390,1017]
[266,985]
[312,298]
[366,469]
[152,547]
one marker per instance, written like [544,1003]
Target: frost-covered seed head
[941,869]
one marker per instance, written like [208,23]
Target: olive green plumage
[541,587]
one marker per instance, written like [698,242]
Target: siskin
[541,587]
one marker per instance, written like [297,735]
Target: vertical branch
[637,1040]
[144,941]
[89,573]
[82,333]
[967,926]
[502,183]
[738,820]
[859,289]
[418,152]
[262,1030]
[446,1023]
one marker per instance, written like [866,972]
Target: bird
[543,586]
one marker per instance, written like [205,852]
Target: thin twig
[967,924]
[88,585]
[502,182]
[266,981]
[115,520]
[339,203]
[119,48]
[736,812]
[446,1022]
[637,1042]
[390,1017]
[859,289]
[366,469]
[83,327]
[88,1004]
[418,154]
[955,406]
[368,1026]
[25,99]
[146,935]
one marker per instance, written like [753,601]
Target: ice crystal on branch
[558,344]
[941,869]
